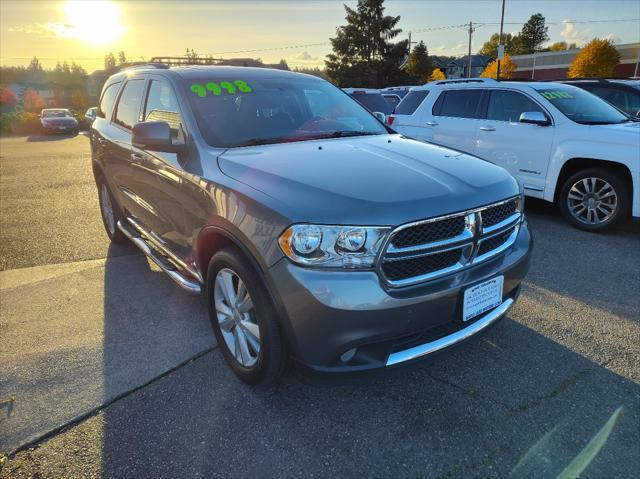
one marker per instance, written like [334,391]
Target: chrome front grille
[433,248]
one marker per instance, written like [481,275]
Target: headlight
[333,246]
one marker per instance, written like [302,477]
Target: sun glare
[95,22]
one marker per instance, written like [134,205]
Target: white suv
[562,143]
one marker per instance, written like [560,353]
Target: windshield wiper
[262,141]
[345,133]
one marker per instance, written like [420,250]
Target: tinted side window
[162,105]
[411,102]
[628,101]
[372,102]
[460,103]
[507,105]
[128,109]
[392,100]
[109,99]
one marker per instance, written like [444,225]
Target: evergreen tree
[420,64]
[122,58]
[363,53]
[533,34]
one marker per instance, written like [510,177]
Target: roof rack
[465,80]
[140,65]
[176,61]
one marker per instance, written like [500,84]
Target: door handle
[431,123]
[487,128]
[137,158]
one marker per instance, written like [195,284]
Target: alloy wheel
[236,316]
[592,201]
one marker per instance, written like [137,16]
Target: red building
[554,65]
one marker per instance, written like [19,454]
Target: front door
[521,148]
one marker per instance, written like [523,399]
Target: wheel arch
[574,165]
[213,238]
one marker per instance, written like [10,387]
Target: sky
[298,31]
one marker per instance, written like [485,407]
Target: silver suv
[315,232]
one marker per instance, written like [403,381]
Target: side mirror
[534,118]
[154,136]
[380,116]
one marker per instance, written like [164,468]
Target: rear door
[125,168]
[523,149]
[455,118]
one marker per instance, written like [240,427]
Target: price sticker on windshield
[221,88]
[557,95]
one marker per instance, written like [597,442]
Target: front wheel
[244,319]
[594,199]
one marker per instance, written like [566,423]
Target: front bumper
[328,312]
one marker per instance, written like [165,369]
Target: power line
[464,26]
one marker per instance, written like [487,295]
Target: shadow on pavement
[513,403]
[52,137]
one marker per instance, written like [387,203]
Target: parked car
[392,100]
[562,143]
[371,99]
[314,231]
[624,94]
[90,114]
[400,91]
[58,120]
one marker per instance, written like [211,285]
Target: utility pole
[469,56]
[500,45]
[410,42]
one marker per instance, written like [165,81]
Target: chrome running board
[163,262]
[461,335]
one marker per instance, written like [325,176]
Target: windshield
[55,113]
[583,107]
[231,112]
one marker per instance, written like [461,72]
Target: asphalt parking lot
[107,369]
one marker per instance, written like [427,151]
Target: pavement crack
[559,389]
[37,441]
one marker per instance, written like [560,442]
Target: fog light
[348,355]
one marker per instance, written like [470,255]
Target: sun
[94,22]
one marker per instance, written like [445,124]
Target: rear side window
[458,103]
[128,110]
[109,99]
[507,105]
[411,102]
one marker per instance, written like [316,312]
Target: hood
[371,180]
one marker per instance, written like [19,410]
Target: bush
[19,122]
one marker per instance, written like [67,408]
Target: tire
[594,199]
[108,203]
[255,363]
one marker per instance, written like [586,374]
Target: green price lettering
[198,90]
[214,88]
[217,89]
[559,94]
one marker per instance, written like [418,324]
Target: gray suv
[315,232]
